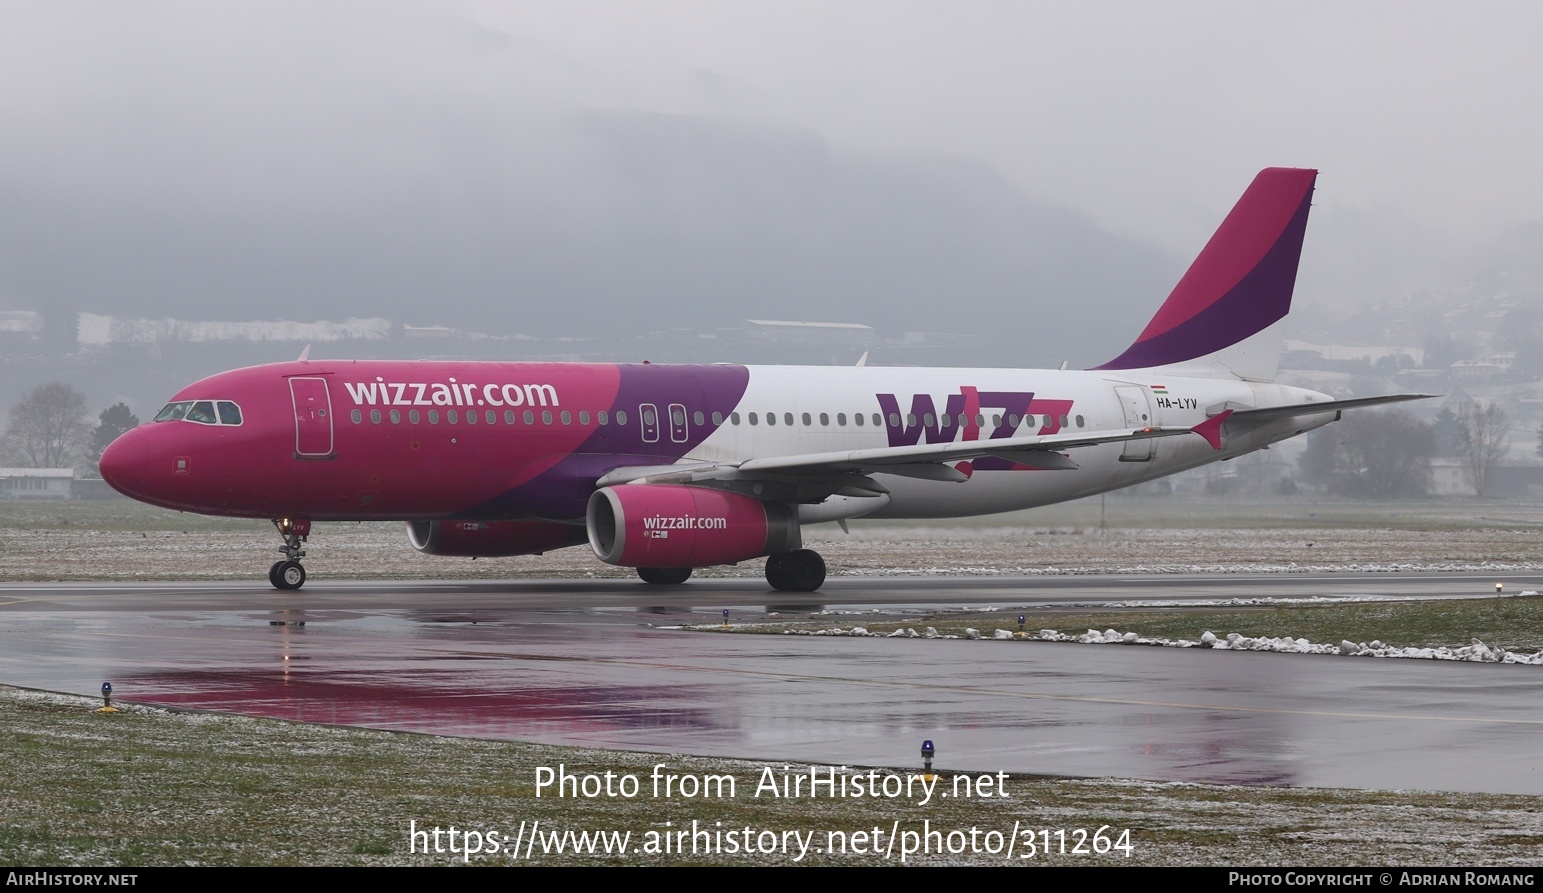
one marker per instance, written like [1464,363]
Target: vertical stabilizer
[1237,287]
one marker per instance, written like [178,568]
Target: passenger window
[879,420]
[530,417]
[858,418]
[927,419]
[841,419]
[824,419]
[546,416]
[433,417]
[699,418]
[230,413]
[490,417]
[752,418]
[733,418]
[602,417]
[787,419]
[356,416]
[375,417]
[508,417]
[1079,421]
[396,417]
[1012,419]
[910,419]
[807,421]
[567,417]
[717,419]
[413,417]
[771,418]
[1065,422]
[451,416]
[621,417]
[471,417]
[583,417]
[894,420]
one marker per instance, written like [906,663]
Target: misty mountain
[434,173]
[635,221]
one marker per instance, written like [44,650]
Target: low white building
[36,483]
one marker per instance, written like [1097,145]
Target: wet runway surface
[585,663]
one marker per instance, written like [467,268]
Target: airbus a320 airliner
[669,468]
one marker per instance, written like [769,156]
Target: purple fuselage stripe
[562,491]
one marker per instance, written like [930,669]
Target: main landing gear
[289,573]
[665,576]
[801,571]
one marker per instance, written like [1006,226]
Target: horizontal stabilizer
[1245,414]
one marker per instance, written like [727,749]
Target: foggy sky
[956,167]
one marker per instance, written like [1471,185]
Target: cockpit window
[201,411]
[171,412]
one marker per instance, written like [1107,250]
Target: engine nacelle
[668,525]
[491,539]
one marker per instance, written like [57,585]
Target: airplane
[669,468]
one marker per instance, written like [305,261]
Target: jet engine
[669,525]
[491,539]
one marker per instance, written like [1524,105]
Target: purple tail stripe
[1184,328]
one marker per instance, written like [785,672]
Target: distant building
[97,331]
[842,334]
[36,483]
[1352,352]
[1449,477]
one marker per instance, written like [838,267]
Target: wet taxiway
[587,663]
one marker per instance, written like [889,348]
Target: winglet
[1211,429]
[305,355]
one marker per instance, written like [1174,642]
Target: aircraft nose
[124,464]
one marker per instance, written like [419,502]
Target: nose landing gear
[289,574]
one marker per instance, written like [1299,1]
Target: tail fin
[1239,285]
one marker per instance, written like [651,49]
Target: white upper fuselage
[832,399]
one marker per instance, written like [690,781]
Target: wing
[812,477]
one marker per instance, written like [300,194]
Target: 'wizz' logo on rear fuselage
[966,414]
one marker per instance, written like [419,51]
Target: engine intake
[667,525]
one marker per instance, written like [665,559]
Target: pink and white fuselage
[666,468]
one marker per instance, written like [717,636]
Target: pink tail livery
[1239,285]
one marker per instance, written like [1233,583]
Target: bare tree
[1483,436]
[48,427]
[1372,454]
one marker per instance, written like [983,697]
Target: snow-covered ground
[381,551]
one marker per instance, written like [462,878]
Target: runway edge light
[928,750]
[107,699]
